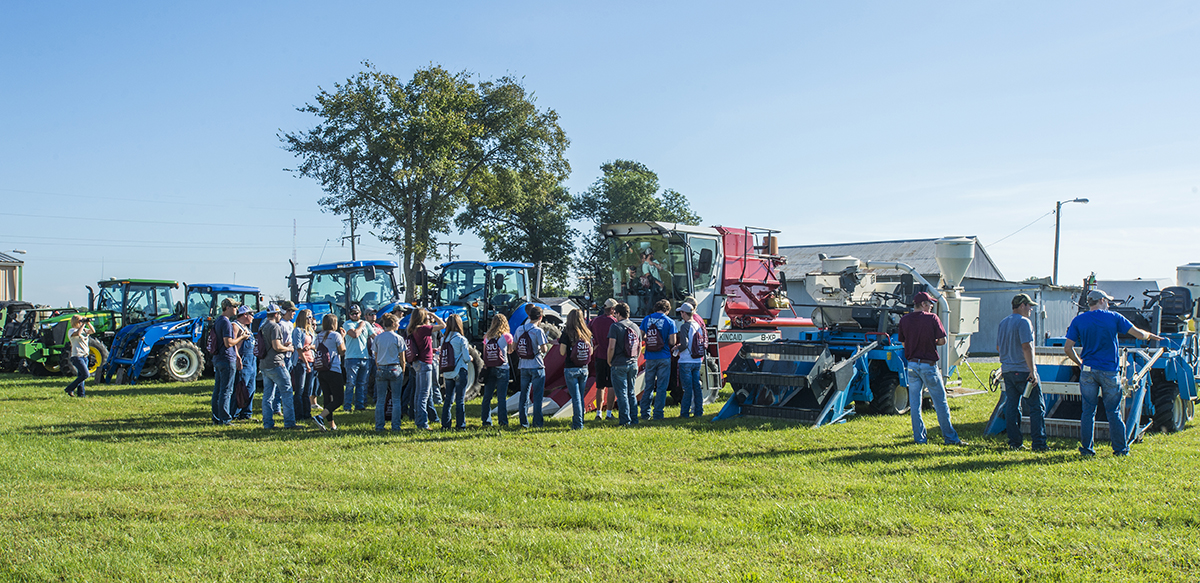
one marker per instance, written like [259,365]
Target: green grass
[132,483]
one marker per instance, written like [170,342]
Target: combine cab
[1158,378]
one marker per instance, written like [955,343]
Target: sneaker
[1017,447]
[1121,453]
[69,392]
[610,415]
[961,442]
[320,421]
[598,417]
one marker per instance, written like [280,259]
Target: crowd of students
[339,364]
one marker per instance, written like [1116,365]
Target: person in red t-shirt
[921,332]
[599,327]
[422,338]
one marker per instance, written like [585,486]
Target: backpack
[580,353]
[525,347]
[698,344]
[211,341]
[654,338]
[446,356]
[631,340]
[493,356]
[410,353]
[260,347]
[323,361]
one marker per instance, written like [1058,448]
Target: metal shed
[11,275]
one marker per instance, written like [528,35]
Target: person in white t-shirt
[80,333]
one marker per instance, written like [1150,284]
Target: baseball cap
[610,303]
[354,309]
[685,308]
[243,310]
[1022,299]
[923,297]
[1097,295]
[287,305]
[273,309]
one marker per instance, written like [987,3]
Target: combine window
[704,253]
[648,269]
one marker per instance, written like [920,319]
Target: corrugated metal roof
[10,259]
[919,253]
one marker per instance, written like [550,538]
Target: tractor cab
[332,288]
[653,261]
[477,290]
[204,299]
[135,300]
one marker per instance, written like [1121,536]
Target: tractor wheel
[889,396]
[44,368]
[1169,413]
[97,355]
[180,362]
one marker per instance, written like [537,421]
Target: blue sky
[140,139]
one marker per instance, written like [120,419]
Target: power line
[158,201]
[1021,229]
[155,222]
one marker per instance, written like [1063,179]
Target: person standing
[691,351]
[80,333]
[422,342]
[624,344]
[658,335]
[1014,344]
[331,378]
[453,361]
[225,361]
[532,346]
[277,379]
[247,365]
[303,337]
[921,332]
[497,345]
[358,333]
[376,329]
[576,346]
[1096,333]
[389,367]
[599,328]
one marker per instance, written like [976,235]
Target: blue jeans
[928,376]
[658,378]
[249,376]
[1096,385]
[277,388]
[533,384]
[495,383]
[1014,391]
[693,397]
[576,383]
[456,393]
[81,374]
[423,409]
[302,385]
[358,371]
[388,379]
[222,390]
[622,380]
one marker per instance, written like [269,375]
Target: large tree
[404,156]
[523,216]
[626,192]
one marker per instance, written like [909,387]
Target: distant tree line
[414,158]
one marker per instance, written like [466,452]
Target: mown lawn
[132,483]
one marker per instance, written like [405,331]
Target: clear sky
[139,139]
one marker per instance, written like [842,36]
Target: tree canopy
[405,156]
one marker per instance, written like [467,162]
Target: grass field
[132,483]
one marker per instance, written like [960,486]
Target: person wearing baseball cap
[357,363]
[1014,344]
[599,328]
[277,378]
[1096,333]
[921,332]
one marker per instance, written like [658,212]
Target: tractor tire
[474,375]
[43,368]
[97,356]
[180,362]
[1169,412]
[889,397]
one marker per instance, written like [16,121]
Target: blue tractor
[331,288]
[204,303]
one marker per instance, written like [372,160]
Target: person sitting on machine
[650,282]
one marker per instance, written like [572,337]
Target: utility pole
[353,255]
[450,245]
[293,240]
[1057,223]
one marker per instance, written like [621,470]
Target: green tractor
[121,302]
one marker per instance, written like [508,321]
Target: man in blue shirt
[658,336]
[358,364]
[1096,333]
[1014,343]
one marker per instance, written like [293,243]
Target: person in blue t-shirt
[658,357]
[1096,333]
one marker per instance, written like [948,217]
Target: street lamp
[1057,223]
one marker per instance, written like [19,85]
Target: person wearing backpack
[599,328]
[532,345]
[277,379]
[225,361]
[454,358]
[247,366]
[389,367]
[576,346]
[624,345]
[328,364]
[692,347]
[658,335]
[421,334]
[497,345]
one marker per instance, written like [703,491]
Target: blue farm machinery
[850,358]
[1158,378]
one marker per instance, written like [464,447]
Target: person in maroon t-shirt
[422,339]
[921,332]
[599,327]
